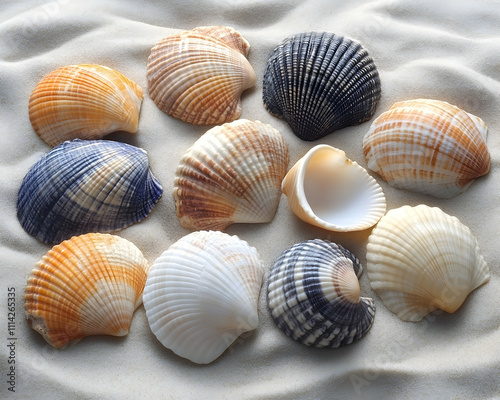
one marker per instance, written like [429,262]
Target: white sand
[447,50]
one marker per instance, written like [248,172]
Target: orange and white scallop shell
[85,101]
[87,285]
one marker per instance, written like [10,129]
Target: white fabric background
[446,50]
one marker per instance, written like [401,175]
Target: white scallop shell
[326,189]
[420,259]
[202,293]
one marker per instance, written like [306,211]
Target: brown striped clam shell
[232,174]
[198,76]
[428,146]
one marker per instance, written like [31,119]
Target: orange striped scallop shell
[87,285]
[85,101]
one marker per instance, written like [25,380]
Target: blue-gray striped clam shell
[86,186]
[314,295]
[320,82]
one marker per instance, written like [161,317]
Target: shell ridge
[189,105]
[315,51]
[322,84]
[55,172]
[262,166]
[106,279]
[192,190]
[314,289]
[226,35]
[78,213]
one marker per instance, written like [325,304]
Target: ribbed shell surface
[427,146]
[198,76]
[231,174]
[85,101]
[420,259]
[88,285]
[86,186]
[313,295]
[320,82]
[202,293]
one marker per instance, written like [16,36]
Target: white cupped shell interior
[334,192]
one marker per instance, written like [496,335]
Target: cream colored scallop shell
[87,285]
[198,76]
[420,259]
[202,293]
[326,189]
[85,101]
[231,174]
[428,146]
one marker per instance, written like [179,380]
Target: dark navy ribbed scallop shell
[86,186]
[319,83]
[339,322]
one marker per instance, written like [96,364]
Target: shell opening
[331,190]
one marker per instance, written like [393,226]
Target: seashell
[326,189]
[427,146]
[233,173]
[86,186]
[202,293]
[319,83]
[314,295]
[85,101]
[198,76]
[87,285]
[420,259]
